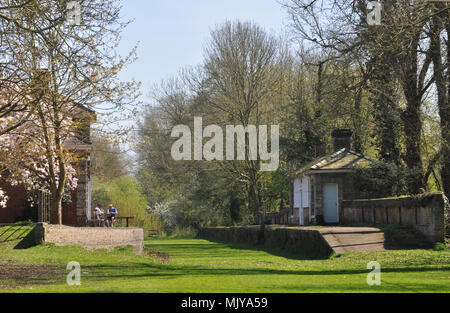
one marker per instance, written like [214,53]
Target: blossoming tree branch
[55,78]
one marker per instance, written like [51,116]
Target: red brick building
[75,212]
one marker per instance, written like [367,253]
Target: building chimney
[341,139]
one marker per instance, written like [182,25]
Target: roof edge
[310,170]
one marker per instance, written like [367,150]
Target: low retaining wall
[90,237]
[304,242]
[426,213]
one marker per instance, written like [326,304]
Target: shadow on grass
[171,271]
[27,242]
[227,248]
[404,238]
[212,251]
[399,237]
[13,275]
[22,234]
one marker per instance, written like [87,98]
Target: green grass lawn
[194,265]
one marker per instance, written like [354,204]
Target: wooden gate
[44,202]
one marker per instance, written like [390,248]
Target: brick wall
[426,213]
[17,208]
[69,211]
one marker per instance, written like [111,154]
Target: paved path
[351,239]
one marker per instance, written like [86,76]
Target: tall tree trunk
[58,192]
[443,89]
[414,87]
[413,132]
[382,85]
[357,122]
[56,209]
[57,196]
[386,111]
[254,202]
[445,119]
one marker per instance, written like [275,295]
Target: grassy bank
[193,265]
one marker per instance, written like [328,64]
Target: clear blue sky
[172,33]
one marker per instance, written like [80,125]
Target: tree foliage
[124,193]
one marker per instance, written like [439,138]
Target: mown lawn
[194,265]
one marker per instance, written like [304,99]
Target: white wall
[89,215]
[297,194]
[305,191]
[301,194]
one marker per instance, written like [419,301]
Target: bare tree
[241,74]
[399,43]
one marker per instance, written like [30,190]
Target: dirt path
[14,275]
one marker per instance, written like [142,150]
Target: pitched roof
[342,160]
[77,143]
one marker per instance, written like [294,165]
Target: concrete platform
[321,241]
[364,239]
[90,237]
[353,239]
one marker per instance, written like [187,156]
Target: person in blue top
[112,215]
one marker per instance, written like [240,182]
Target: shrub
[184,232]
[125,194]
[439,246]
[383,179]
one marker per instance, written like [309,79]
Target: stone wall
[346,190]
[82,195]
[304,242]
[90,237]
[426,213]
